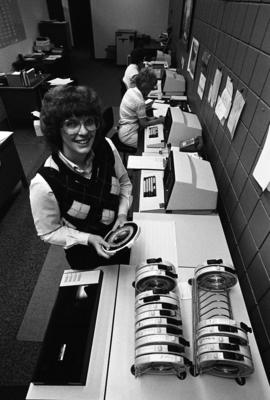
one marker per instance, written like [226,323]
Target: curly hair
[62,102]
[146,79]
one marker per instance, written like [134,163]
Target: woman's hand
[97,241]
[121,219]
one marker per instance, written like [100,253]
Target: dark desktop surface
[66,348]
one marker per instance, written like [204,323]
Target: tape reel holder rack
[159,342]
[220,344]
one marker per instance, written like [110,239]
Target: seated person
[137,57]
[82,191]
[136,63]
[133,110]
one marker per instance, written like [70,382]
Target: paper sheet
[160,109]
[60,81]
[148,162]
[215,87]
[224,102]
[262,169]
[201,85]
[74,278]
[237,107]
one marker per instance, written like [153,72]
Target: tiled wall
[237,35]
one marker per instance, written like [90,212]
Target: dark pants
[86,257]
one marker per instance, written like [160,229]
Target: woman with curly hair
[83,190]
[133,110]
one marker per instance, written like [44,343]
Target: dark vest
[68,186]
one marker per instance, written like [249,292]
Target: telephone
[191,145]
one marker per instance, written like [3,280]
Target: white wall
[149,17]
[32,11]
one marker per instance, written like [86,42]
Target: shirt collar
[74,166]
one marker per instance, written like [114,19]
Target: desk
[109,376]
[20,101]
[11,170]
[59,67]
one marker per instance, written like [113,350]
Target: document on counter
[75,278]
[146,162]
[60,81]
[160,109]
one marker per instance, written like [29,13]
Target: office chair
[108,121]
[122,148]
[110,129]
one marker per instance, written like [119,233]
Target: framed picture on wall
[186,22]
[192,59]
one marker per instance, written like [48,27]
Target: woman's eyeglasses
[73,125]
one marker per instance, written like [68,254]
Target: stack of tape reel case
[220,343]
[159,342]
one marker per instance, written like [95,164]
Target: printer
[173,83]
[187,184]
[180,125]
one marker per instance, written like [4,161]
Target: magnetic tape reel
[225,364]
[229,323]
[228,347]
[165,364]
[159,307]
[231,332]
[162,330]
[156,293]
[122,237]
[215,277]
[221,339]
[155,274]
[151,322]
[166,301]
[161,339]
[156,262]
[155,279]
[159,348]
[157,314]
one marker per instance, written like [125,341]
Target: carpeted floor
[22,254]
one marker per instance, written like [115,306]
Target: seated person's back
[133,109]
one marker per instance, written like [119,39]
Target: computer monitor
[189,184]
[173,83]
[180,125]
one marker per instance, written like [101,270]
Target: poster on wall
[193,55]
[214,88]
[201,85]
[224,102]
[262,169]
[237,107]
[186,21]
